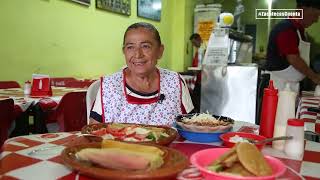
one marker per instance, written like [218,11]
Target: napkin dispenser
[41,85]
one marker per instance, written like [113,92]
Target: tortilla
[225,156]
[238,169]
[252,159]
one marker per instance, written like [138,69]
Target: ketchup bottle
[268,110]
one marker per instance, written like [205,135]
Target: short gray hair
[144,25]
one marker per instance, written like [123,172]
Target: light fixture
[156,5]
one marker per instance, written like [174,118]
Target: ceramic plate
[174,162]
[163,141]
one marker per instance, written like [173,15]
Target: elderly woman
[141,93]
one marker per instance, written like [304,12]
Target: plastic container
[285,111]
[317,91]
[295,147]
[27,88]
[268,111]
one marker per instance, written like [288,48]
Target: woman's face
[141,51]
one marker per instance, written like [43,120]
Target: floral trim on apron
[117,109]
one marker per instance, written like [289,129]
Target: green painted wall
[63,38]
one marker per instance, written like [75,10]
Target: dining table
[306,101]
[18,162]
[24,104]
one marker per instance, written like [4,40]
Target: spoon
[253,141]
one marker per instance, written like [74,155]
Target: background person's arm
[297,62]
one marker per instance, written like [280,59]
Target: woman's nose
[138,52]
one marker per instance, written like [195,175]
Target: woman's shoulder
[167,72]
[112,76]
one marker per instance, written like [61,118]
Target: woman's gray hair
[144,25]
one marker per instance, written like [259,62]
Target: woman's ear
[160,52]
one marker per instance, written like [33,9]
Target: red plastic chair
[6,118]
[9,84]
[71,113]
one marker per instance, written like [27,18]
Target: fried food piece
[252,159]
[225,156]
[238,169]
[229,161]
[125,156]
[114,158]
[130,146]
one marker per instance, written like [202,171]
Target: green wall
[63,38]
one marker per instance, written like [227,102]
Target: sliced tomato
[99,132]
[118,134]
[140,137]
[131,135]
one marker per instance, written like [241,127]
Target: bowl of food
[204,122]
[203,127]
[242,162]
[231,138]
[138,133]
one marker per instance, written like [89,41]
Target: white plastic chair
[91,97]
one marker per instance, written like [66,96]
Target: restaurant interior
[54,52]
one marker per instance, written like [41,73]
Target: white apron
[117,109]
[290,75]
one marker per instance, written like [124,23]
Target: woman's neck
[143,83]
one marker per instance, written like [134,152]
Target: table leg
[39,124]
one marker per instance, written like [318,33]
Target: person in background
[141,92]
[288,49]
[197,42]
[199,51]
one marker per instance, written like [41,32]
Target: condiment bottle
[268,110]
[27,88]
[295,147]
[285,111]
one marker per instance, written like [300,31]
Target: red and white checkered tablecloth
[190,80]
[16,163]
[312,119]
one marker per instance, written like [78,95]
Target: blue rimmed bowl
[202,137]
[203,134]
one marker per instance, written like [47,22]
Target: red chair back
[6,118]
[79,83]
[61,81]
[9,84]
[71,112]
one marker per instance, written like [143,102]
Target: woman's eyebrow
[149,42]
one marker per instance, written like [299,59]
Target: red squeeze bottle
[268,110]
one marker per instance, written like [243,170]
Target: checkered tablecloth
[312,119]
[190,80]
[16,163]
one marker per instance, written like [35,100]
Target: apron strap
[299,35]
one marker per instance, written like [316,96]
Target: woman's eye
[146,46]
[130,47]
